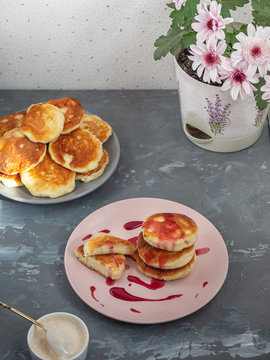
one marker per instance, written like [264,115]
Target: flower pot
[212,120]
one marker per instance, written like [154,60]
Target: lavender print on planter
[259,118]
[218,115]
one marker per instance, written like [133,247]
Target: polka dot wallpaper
[83,44]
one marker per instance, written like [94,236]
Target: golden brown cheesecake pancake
[162,274]
[18,153]
[97,172]
[72,110]
[79,151]
[170,231]
[111,265]
[163,259]
[11,121]
[49,179]
[42,123]
[101,129]
[11,180]
[108,244]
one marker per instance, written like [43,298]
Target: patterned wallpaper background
[84,44]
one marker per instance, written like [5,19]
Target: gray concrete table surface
[231,190]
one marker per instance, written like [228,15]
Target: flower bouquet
[224,63]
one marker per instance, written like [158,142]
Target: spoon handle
[21,314]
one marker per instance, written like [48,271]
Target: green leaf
[171,5]
[178,17]
[261,12]
[261,104]
[176,49]
[225,11]
[233,4]
[169,42]
[230,39]
[188,39]
[190,9]
[243,28]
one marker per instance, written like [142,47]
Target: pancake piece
[49,179]
[11,180]
[18,153]
[111,265]
[101,129]
[11,121]
[108,244]
[97,172]
[163,259]
[170,231]
[42,123]
[72,110]
[79,151]
[162,274]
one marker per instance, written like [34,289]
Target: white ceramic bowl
[80,356]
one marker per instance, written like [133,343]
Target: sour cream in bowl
[68,338]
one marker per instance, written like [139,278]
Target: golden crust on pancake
[79,151]
[108,244]
[163,259]
[72,110]
[162,274]
[97,172]
[11,121]
[11,180]
[170,231]
[110,265]
[18,153]
[42,123]
[49,179]
[98,127]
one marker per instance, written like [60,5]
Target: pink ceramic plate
[136,298]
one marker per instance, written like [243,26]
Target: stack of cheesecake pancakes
[165,247]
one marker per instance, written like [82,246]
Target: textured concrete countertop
[231,190]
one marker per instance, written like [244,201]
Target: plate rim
[61,199]
[173,318]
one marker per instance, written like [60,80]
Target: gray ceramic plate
[23,195]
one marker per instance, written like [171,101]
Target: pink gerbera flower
[253,49]
[207,58]
[210,23]
[238,79]
[266,89]
[178,3]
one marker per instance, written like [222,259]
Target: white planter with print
[228,125]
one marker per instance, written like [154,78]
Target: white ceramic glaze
[241,122]
[80,356]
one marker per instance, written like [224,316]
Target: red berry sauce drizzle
[131,225]
[87,237]
[202,251]
[109,281]
[122,294]
[93,289]
[154,284]
[133,240]
[90,235]
[204,285]
[134,310]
